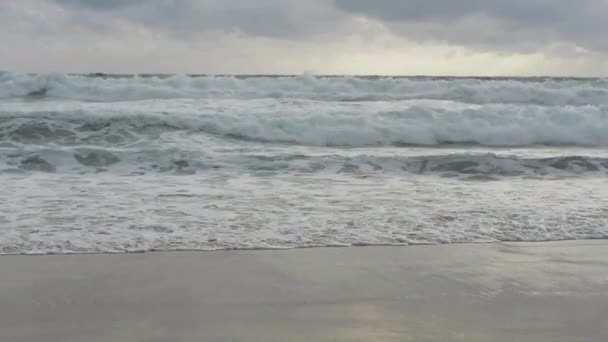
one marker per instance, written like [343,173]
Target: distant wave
[551,92]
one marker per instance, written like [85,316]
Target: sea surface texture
[125,163]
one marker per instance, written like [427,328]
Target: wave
[552,92]
[134,161]
[312,124]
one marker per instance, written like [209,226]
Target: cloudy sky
[430,37]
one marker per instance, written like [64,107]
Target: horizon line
[102,74]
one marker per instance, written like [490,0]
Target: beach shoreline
[543,291]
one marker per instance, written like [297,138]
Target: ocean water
[122,163]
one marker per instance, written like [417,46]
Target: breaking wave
[314,125]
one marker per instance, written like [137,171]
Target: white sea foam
[106,213]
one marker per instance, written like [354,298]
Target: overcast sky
[412,37]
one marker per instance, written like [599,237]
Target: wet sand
[481,292]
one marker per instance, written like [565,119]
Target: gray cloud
[356,36]
[100,4]
[418,10]
[498,23]
[270,18]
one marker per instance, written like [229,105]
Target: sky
[380,37]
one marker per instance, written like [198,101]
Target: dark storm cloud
[289,36]
[419,10]
[100,4]
[272,18]
[503,24]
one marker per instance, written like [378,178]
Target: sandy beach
[481,292]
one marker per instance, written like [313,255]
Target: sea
[105,163]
